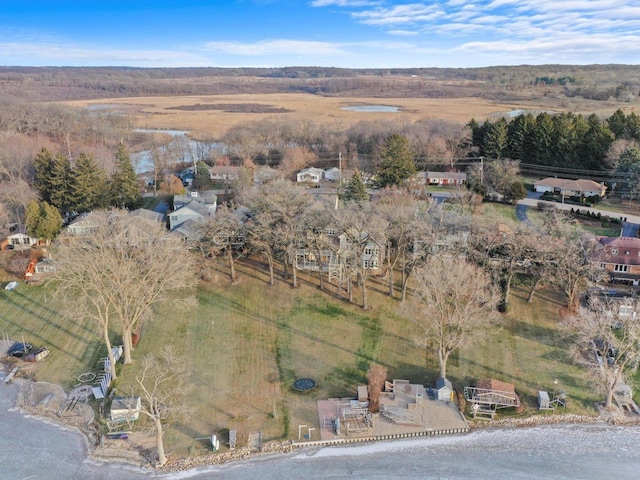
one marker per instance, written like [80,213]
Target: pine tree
[123,186]
[355,189]
[201,177]
[87,186]
[53,178]
[397,163]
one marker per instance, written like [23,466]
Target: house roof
[451,175]
[623,245]
[207,198]
[194,206]
[313,170]
[224,170]
[147,214]
[567,184]
[620,242]
[189,229]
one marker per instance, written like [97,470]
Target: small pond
[371,108]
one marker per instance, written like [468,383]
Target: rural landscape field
[206,117]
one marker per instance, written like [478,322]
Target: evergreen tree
[495,140]
[617,123]
[543,139]
[87,186]
[355,189]
[397,163]
[595,144]
[201,177]
[43,220]
[53,178]
[123,187]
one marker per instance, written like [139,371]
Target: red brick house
[621,259]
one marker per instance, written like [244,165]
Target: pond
[371,108]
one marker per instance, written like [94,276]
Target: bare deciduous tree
[605,339]
[163,386]
[121,270]
[362,242]
[225,234]
[453,303]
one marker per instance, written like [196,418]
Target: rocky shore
[138,450]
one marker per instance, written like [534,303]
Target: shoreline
[100,451]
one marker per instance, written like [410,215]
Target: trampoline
[304,384]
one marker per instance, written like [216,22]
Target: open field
[247,342]
[209,116]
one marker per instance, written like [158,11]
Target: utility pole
[481,170]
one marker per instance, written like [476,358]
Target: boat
[11,285]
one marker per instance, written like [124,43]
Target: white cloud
[344,3]
[272,47]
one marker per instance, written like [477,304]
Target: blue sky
[331,33]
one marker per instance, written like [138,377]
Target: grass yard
[247,342]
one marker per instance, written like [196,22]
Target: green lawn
[247,342]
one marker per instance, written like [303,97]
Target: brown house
[621,259]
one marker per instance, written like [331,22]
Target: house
[189,231]
[18,239]
[147,215]
[223,173]
[441,178]
[81,226]
[187,176]
[332,174]
[570,188]
[621,259]
[309,175]
[265,174]
[207,198]
[195,211]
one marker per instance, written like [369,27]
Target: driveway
[630,222]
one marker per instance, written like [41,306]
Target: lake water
[31,448]
[371,108]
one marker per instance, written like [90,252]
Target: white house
[441,178]
[332,174]
[570,188]
[18,240]
[83,225]
[310,175]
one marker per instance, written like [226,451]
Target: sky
[325,33]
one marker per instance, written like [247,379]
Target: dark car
[19,350]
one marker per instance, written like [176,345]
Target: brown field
[205,118]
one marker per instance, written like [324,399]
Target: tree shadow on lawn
[545,335]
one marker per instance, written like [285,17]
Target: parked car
[19,350]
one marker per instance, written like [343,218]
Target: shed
[543,400]
[125,408]
[444,389]
[363,393]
